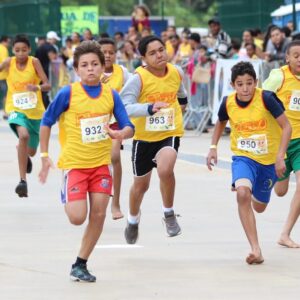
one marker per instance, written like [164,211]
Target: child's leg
[117,179]
[98,205]
[293,215]
[23,135]
[248,221]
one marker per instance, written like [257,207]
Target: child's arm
[283,122]
[47,163]
[45,86]
[5,64]
[212,154]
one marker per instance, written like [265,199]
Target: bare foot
[116,213]
[286,241]
[254,258]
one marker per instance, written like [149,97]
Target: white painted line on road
[118,246]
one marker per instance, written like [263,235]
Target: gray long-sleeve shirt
[131,92]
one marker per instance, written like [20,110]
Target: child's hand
[212,156]
[46,165]
[114,134]
[32,87]
[157,106]
[280,168]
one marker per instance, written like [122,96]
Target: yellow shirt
[116,80]
[289,94]
[84,144]
[18,97]
[169,49]
[254,131]
[3,55]
[168,122]
[185,49]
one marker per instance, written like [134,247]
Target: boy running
[260,133]
[24,104]
[152,98]
[115,76]
[84,110]
[285,83]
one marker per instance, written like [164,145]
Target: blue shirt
[62,100]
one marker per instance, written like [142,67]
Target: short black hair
[85,48]
[4,38]
[242,68]
[21,38]
[144,42]
[292,44]
[194,36]
[120,33]
[107,41]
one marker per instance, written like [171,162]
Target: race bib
[161,121]
[295,101]
[92,129]
[256,144]
[26,100]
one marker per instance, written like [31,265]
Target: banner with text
[78,18]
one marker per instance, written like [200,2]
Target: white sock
[167,209]
[133,219]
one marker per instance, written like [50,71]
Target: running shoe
[81,273]
[131,233]
[172,226]
[21,189]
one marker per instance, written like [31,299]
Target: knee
[97,216]
[140,188]
[259,208]
[243,195]
[23,137]
[76,219]
[280,193]
[165,173]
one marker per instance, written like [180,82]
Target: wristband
[44,154]
[213,147]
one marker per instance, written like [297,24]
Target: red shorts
[78,182]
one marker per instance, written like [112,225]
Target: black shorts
[144,154]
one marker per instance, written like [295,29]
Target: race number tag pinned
[161,121]
[92,129]
[256,144]
[27,100]
[295,101]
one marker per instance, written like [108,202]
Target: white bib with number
[161,121]
[26,100]
[256,144]
[295,101]
[92,129]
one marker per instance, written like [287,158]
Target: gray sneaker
[131,233]
[172,226]
[81,273]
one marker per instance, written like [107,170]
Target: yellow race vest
[167,122]
[83,141]
[289,94]
[116,80]
[18,97]
[3,55]
[254,131]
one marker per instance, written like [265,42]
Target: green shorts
[33,126]
[292,160]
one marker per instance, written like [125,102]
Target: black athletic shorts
[144,154]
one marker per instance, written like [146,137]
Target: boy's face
[156,56]
[293,59]
[245,87]
[109,54]
[250,51]
[89,69]
[21,51]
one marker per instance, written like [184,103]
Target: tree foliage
[186,12]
